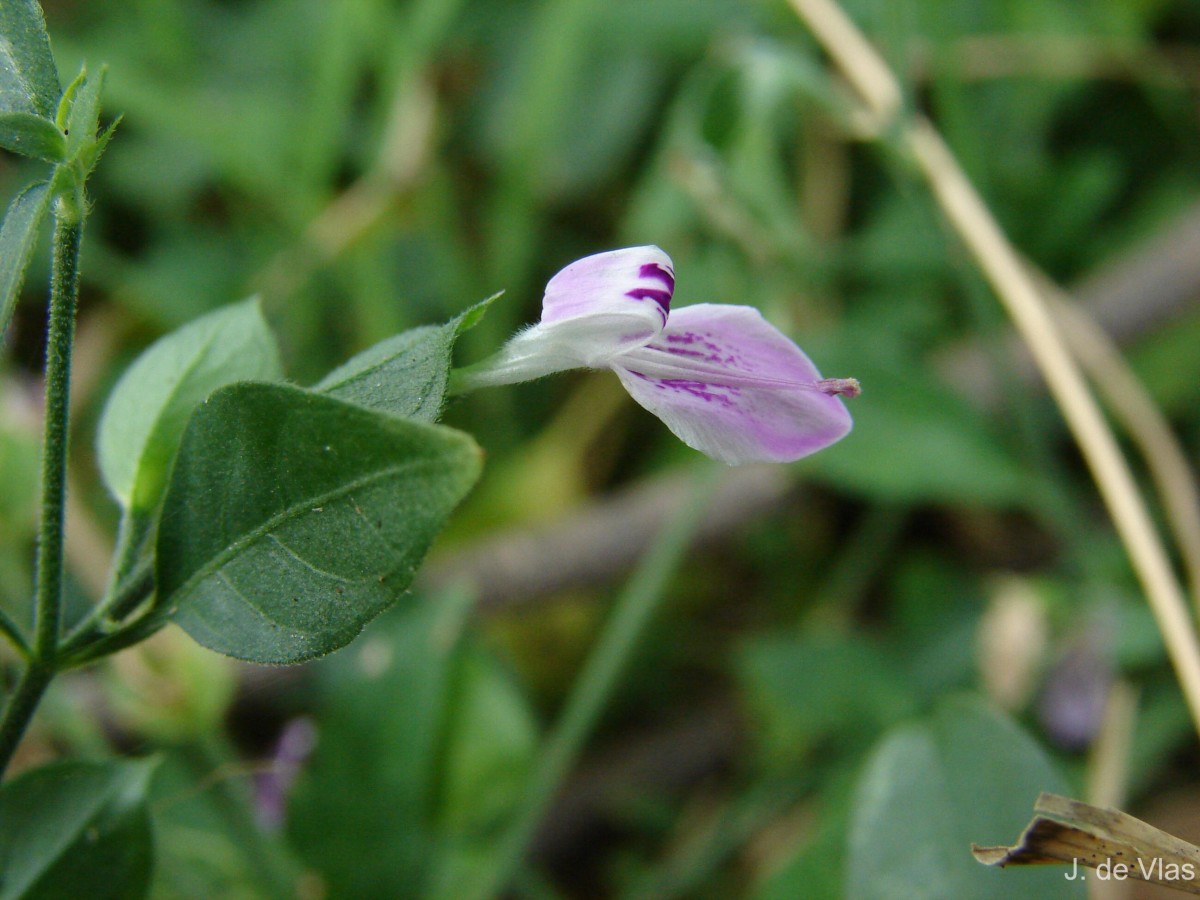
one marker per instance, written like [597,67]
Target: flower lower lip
[641,362]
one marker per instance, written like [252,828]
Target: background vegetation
[817,701]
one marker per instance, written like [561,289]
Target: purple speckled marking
[690,337]
[686,344]
[702,390]
[695,354]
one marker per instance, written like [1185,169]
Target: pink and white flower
[727,382]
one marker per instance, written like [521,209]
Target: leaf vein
[294,554]
[217,562]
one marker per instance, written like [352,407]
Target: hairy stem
[64,294]
[12,633]
[103,621]
[21,704]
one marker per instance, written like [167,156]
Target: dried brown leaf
[1114,843]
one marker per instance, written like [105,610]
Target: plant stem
[94,645]
[121,600]
[12,633]
[633,610]
[64,294]
[19,710]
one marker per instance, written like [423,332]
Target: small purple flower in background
[1073,701]
[723,379]
[271,787]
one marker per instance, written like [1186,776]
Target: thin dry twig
[967,213]
[1174,480]
[1058,56]
[1130,295]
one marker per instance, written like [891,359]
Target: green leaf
[802,689]
[293,518]
[31,135]
[490,743]
[361,811]
[406,374]
[966,774]
[488,749]
[76,829]
[20,454]
[18,235]
[425,745]
[28,78]
[148,409]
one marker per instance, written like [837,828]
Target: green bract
[406,374]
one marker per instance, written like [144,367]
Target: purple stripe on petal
[662,298]
[654,270]
[706,392]
[593,292]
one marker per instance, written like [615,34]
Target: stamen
[846,387]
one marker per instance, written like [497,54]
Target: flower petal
[602,305]
[594,310]
[733,387]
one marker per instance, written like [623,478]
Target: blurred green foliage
[370,166]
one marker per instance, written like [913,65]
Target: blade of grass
[634,608]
